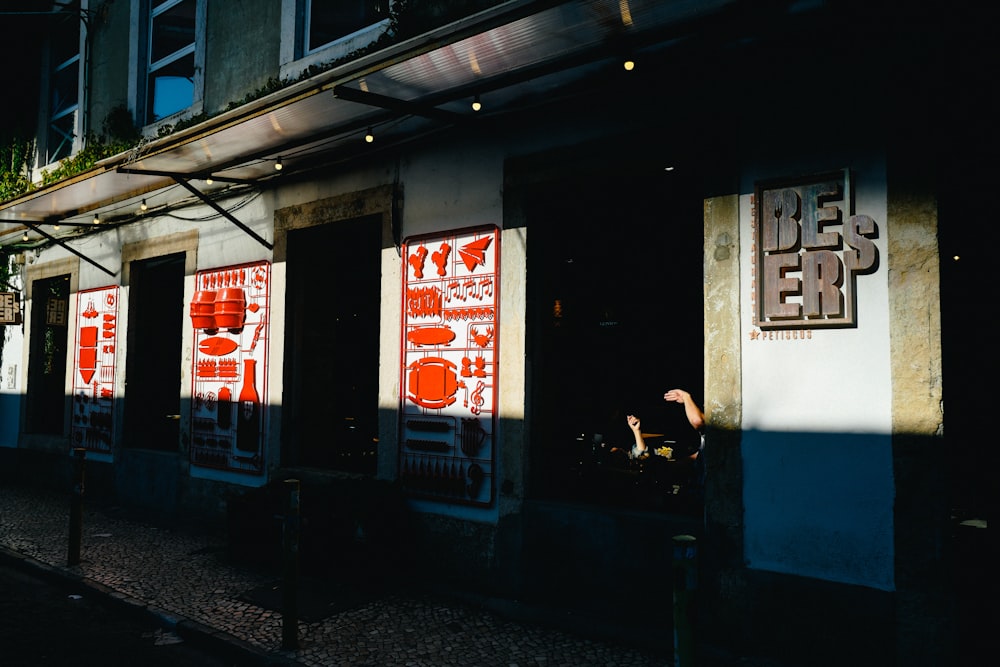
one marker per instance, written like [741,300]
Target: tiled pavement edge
[183,579]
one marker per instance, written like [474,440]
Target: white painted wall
[817,455]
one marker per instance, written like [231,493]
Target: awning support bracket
[181,180]
[62,244]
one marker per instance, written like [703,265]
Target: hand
[676,396]
[633,423]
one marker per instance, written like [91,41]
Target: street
[47,623]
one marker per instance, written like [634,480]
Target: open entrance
[331,383]
[46,394]
[616,320]
[153,363]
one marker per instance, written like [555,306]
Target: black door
[153,362]
[46,395]
[331,384]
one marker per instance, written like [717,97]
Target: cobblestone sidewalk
[187,580]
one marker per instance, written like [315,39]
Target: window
[615,321]
[329,20]
[170,73]
[46,396]
[64,84]
[315,32]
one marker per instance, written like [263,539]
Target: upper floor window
[317,31]
[170,73]
[328,20]
[63,103]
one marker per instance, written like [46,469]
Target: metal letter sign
[807,255]
[10,308]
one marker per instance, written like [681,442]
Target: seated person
[694,416]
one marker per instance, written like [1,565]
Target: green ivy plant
[15,168]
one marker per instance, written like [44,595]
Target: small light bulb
[476,104]
[97,219]
[277,165]
[629,65]
[24,237]
[142,206]
[209,180]
[369,137]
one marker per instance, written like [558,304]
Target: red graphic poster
[449,366]
[229,312]
[94,369]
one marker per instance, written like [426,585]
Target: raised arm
[639,448]
[694,414]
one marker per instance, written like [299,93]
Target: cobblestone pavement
[187,580]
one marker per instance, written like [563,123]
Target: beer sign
[10,308]
[809,248]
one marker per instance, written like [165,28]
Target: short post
[290,588]
[685,586]
[76,507]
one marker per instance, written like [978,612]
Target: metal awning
[512,56]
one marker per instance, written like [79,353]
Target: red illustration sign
[229,312]
[94,369]
[449,366]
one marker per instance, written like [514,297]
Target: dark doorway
[153,363]
[46,395]
[616,319]
[331,382]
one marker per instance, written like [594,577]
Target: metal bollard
[685,586]
[76,507]
[290,588]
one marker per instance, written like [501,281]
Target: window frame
[67,267]
[142,13]
[49,115]
[294,57]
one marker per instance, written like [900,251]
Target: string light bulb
[209,180]
[97,219]
[629,64]
[56,226]
[277,164]
[142,206]
[476,103]
[369,137]
[24,237]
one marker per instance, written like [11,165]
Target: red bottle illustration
[225,407]
[248,414]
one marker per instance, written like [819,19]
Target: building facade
[318,261]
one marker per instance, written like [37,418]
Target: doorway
[153,363]
[46,393]
[331,382]
[616,319]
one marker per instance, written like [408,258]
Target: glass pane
[64,89]
[333,19]
[172,30]
[60,137]
[171,88]
[66,34]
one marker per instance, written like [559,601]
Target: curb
[217,642]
